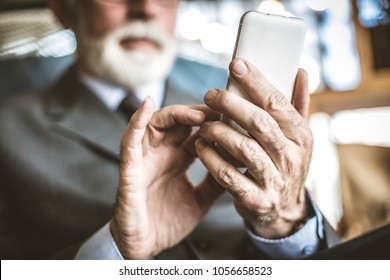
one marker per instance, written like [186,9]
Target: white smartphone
[274,45]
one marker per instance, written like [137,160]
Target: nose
[140,10]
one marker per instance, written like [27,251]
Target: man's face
[128,43]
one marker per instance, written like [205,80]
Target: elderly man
[59,152]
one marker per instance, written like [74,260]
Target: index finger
[265,95]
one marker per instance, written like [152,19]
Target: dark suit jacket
[59,170]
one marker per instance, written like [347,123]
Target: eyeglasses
[163,3]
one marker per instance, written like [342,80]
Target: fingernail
[148,101]
[240,68]
[210,95]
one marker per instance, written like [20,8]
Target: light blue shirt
[302,243]
[101,245]
[112,95]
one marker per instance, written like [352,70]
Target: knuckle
[291,163]
[251,152]
[258,121]
[256,170]
[263,123]
[248,147]
[227,175]
[275,101]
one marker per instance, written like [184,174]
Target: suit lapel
[78,113]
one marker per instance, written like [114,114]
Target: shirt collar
[111,95]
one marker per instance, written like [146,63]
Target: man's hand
[157,206]
[270,195]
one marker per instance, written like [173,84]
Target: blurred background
[346,55]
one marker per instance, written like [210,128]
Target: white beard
[106,59]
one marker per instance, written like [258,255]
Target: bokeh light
[215,37]
[191,24]
[313,71]
[317,5]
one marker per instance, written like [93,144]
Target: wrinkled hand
[157,206]
[270,195]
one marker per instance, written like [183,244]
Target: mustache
[142,30]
